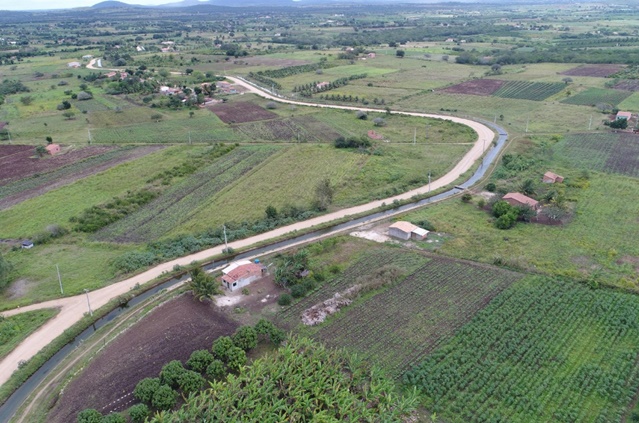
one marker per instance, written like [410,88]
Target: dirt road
[73,308]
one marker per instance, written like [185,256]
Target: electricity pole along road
[73,308]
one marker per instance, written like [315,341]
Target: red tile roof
[242,271]
[521,199]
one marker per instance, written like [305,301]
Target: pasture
[15,329]
[592,96]
[544,350]
[524,90]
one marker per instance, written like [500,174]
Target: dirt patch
[627,85]
[631,260]
[171,332]
[371,236]
[241,112]
[319,312]
[18,289]
[600,71]
[263,293]
[483,87]
[18,161]
[47,186]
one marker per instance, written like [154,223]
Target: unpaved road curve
[73,308]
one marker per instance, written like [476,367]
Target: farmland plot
[179,202]
[240,112]
[475,87]
[592,96]
[600,71]
[299,129]
[524,90]
[605,152]
[544,350]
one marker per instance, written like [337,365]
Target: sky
[65,4]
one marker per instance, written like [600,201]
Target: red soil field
[627,85]
[475,87]
[600,71]
[170,332]
[20,161]
[241,112]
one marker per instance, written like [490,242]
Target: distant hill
[112,4]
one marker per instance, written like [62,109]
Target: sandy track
[73,308]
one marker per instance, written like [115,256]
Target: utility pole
[86,291]
[89,136]
[495,120]
[527,121]
[590,123]
[415,136]
[59,279]
[189,137]
[226,244]
[429,182]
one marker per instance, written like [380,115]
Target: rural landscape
[320,212]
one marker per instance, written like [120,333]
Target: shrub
[89,415]
[245,337]
[378,121]
[200,360]
[424,223]
[466,197]
[139,413]
[491,187]
[361,115]
[221,347]
[481,203]
[501,208]
[271,105]
[285,299]
[216,370]
[171,372]
[506,221]
[83,95]
[190,381]
[236,358]
[164,398]
[298,291]
[352,142]
[145,389]
[113,418]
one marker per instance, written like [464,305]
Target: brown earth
[241,112]
[18,161]
[475,87]
[47,186]
[627,85]
[600,71]
[171,332]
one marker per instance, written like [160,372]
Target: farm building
[623,115]
[74,64]
[551,178]
[406,230]
[87,57]
[517,199]
[53,149]
[323,84]
[26,244]
[241,273]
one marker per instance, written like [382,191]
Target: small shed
[406,230]
[53,149]
[623,115]
[241,273]
[26,244]
[517,199]
[551,178]
[74,64]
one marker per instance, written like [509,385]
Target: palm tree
[202,284]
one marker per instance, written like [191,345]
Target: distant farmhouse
[241,273]
[53,149]
[551,178]
[406,230]
[517,199]
[623,115]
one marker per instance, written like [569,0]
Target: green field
[524,90]
[544,350]
[592,96]
[16,328]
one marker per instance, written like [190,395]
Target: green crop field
[544,350]
[184,199]
[397,327]
[525,90]
[630,103]
[606,152]
[592,96]
[15,329]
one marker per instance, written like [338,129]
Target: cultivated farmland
[240,112]
[592,96]
[627,85]
[600,71]
[544,350]
[475,87]
[605,152]
[525,90]
[403,323]
[299,129]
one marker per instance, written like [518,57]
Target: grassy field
[56,207]
[544,350]
[630,103]
[592,96]
[15,329]
[524,90]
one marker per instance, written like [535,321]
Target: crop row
[294,70]
[176,204]
[544,350]
[593,96]
[524,90]
[400,325]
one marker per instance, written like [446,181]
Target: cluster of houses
[517,199]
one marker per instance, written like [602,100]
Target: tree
[221,347]
[378,121]
[40,150]
[171,372]
[83,95]
[400,53]
[69,115]
[526,213]
[506,221]
[26,100]
[65,105]
[139,413]
[190,381]
[567,80]
[361,115]
[528,187]
[323,194]
[145,389]
[466,197]
[216,370]
[90,415]
[496,68]
[619,123]
[236,358]
[156,117]
[5,272]
[501,208]
[164,398]
[202,284]
[191,113]
[271,105]
[200,360]
[49,140]
[188,71]
[113,418]
[271,212]
[245,337]
[290,267]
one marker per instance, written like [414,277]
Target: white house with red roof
[241,273]
[406,230]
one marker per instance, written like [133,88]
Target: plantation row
[298,129]
[524,90]
[175,206]
[267,82]
[294,70]
[309,89]
[593,96]
[400,325]
[545,350]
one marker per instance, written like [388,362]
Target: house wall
[398,233]
[241,283]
